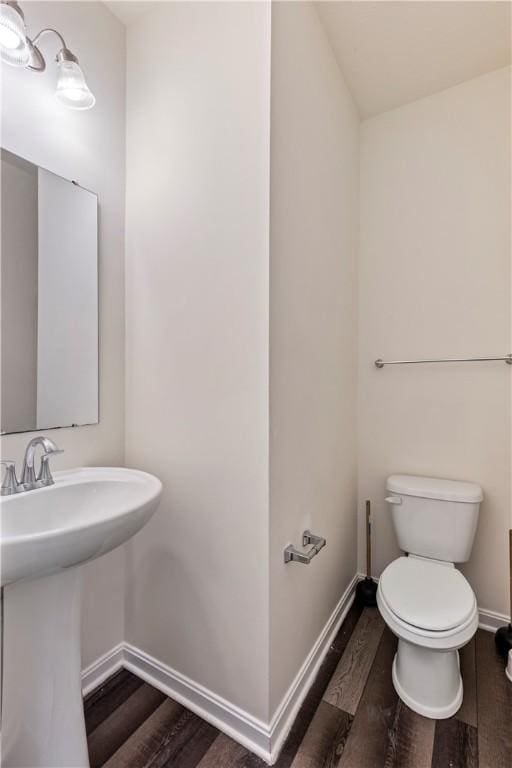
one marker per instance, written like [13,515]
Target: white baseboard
[264,739]
[228,718]
[488,620]
[97,672]
[288,709]
[224,715]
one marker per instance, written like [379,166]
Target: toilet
[425,601]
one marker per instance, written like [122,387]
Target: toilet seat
[429,595]
[419,600]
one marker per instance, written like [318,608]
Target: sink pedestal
[42,712]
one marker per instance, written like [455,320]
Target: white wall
[197,340]
[435,282]
[88,147]
[313,344]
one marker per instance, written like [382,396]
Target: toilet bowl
[425,601]
[432,610]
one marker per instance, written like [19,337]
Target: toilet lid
[426,594]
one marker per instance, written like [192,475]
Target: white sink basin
[85,514]
[45,535]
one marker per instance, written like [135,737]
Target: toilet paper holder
[294,555]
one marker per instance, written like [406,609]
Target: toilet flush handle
[394,499]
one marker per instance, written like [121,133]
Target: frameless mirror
[49,300]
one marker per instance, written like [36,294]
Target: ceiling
[128,11]
[394,52]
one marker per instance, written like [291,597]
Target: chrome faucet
[29,481]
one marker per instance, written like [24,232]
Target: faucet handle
[45,476]
[10,484]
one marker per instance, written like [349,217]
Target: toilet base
[428,681]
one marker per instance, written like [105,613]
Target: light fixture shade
[13,39]
[72,90]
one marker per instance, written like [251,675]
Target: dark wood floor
[351,718]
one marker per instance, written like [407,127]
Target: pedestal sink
[45,534]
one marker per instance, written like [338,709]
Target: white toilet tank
[434,518]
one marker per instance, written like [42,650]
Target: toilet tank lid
[434,488]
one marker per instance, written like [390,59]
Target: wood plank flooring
[351,717]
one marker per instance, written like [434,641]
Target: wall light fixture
[18,50]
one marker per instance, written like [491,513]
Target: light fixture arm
[38,63]
[47,30]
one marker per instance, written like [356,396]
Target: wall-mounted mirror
[49,300]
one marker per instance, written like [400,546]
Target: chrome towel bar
[292,554]
[506,359]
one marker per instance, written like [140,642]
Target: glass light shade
[72,90]
[13,39]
